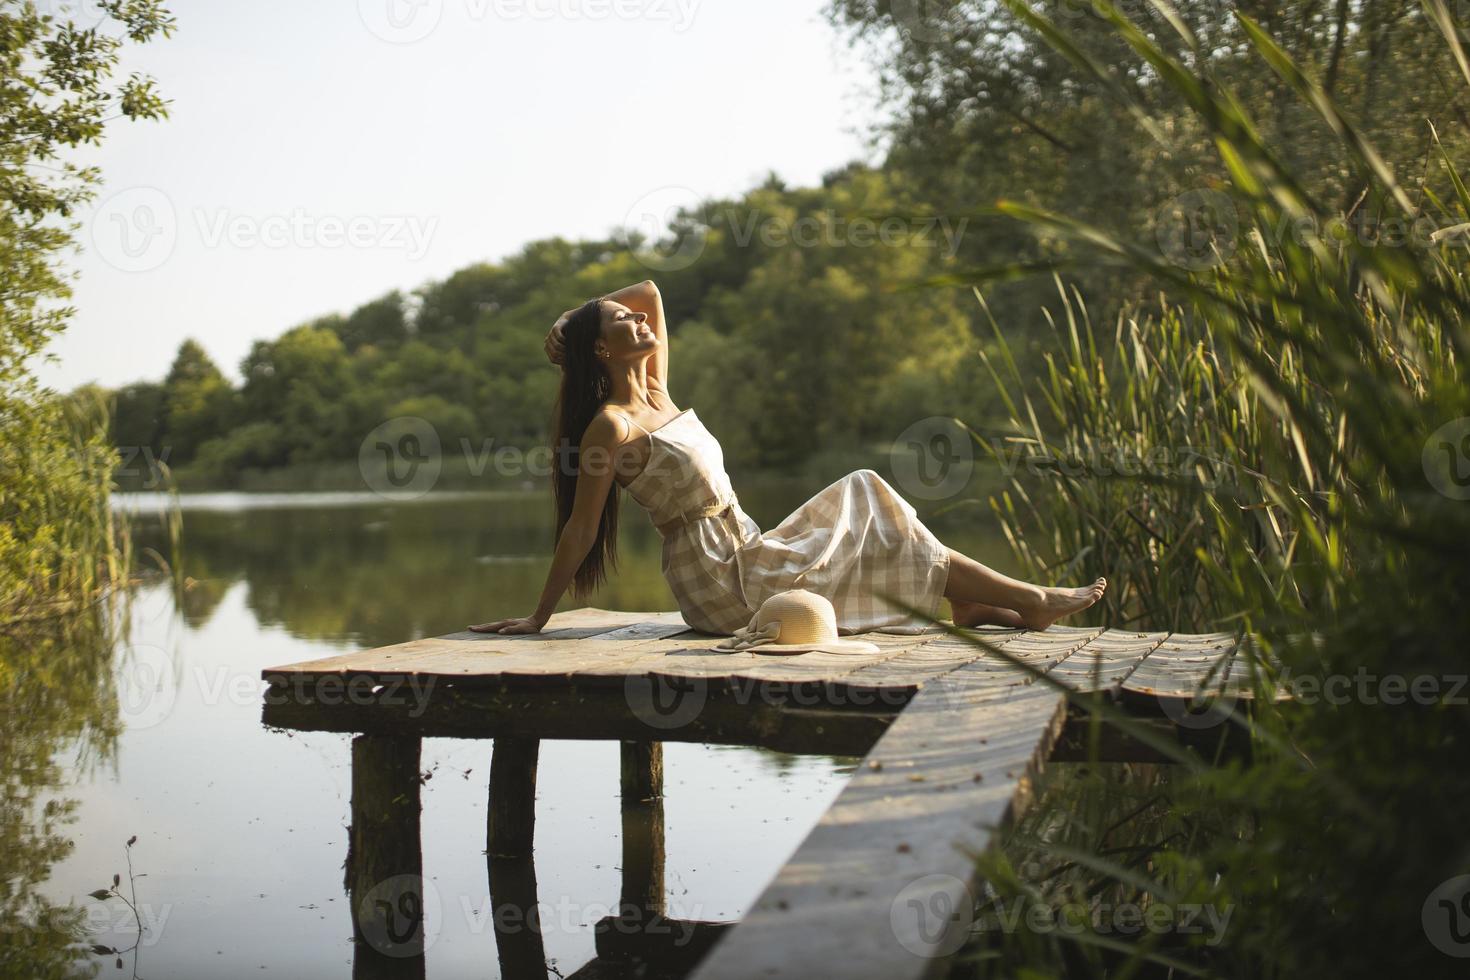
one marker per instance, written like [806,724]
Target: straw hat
[794,621]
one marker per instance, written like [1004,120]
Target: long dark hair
[584,388]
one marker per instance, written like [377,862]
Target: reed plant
[1296,408]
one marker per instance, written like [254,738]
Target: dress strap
[630,421]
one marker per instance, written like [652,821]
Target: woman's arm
[594,482]
[644,297]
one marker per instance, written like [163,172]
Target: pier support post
[385,866]
[509,838]
[512,823]
[643,826]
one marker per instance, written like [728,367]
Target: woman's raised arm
[644,297]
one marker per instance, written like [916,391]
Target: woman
[856,538]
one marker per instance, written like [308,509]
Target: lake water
[240,830]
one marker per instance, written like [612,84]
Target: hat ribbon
[751,636]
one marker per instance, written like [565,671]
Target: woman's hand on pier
[511,626]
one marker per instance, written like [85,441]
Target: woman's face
[626,335]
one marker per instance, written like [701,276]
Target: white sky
[309,164]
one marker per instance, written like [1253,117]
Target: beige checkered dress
[855,538]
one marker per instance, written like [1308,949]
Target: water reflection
[146,727]
[57,691]
[356,568]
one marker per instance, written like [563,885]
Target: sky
[320,153]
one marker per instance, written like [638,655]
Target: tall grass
[1307,402]
[61,545]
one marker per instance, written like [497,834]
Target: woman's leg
[980,614]
[981,593]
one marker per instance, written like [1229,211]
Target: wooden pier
[952,737]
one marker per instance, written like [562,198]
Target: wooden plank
[900,840]
[708,712]
[576,624]
[923,662]
[1182,665]
[1108,659]
[483,658]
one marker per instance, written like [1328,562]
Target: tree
[197,402]
[380,323]
[58,546]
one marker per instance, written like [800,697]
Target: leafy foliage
[786,314]
[1320,370]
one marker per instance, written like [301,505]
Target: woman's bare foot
[980,614]
[1057,603]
